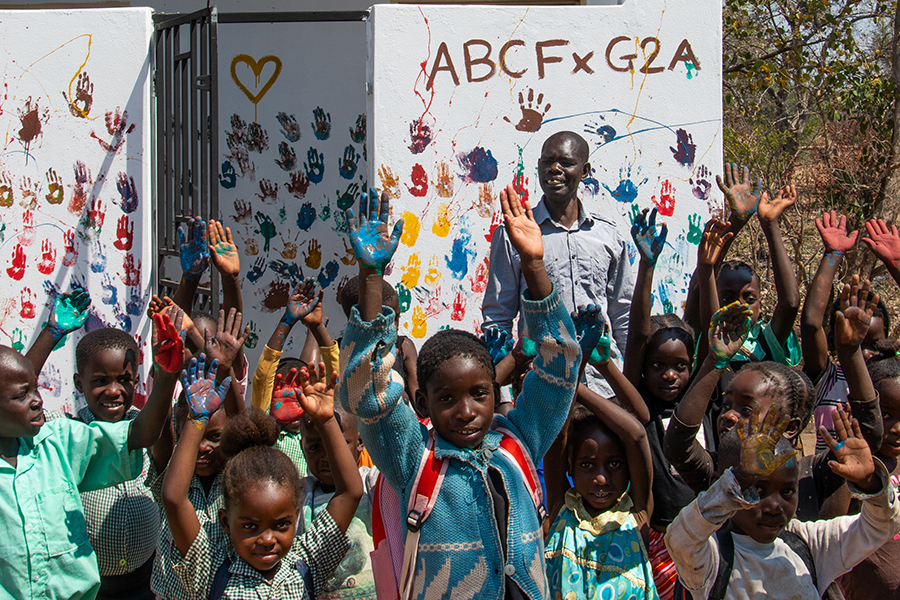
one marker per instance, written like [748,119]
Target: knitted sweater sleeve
[548,390]
[372,390]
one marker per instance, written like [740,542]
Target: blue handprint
[110,294]
[228,178]
[589,325]
[322,125]
[328,274]
[123,321]
[306,217]
[135,304]
[498,342]
[98,259]
[193,248]
[358,135]
[257,270]
[314,167]
[368,236]
[649,239]
[347,166]
[290,128]
[289,271]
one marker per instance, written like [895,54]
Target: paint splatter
[461,255]
[479,281]
[420,181]
[441,225]
[444,185]
[411,271]
[666,203]
[276,296]
[626,191]
[605,133]
[404,297]
[419,325]
[520,182]
[419,135]
[684,149]
[306,217]
[32,119]
[328,274]
[591,184]
[458,312]
[692,71]
[479,165]
[411,226]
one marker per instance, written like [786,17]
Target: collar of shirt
[87,417]
[284,570]
[541,215]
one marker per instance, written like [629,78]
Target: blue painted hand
[649,239]
[369,235]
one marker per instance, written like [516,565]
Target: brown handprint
[268,190]
[117,126]
[389,183]
[6,190]
[242,212]
[531,116]
[349,258]
[486,199]
[290,248]
[444,184]
[83,99]
[313,254]
[299,184]
[29,191]
[55,191]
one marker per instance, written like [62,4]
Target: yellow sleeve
[264,378]
[331,356]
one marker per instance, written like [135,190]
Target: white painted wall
[56,231]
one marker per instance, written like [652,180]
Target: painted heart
[256,66]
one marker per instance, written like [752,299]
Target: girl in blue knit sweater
[483,538]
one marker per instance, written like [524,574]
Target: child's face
[261,525]
[777,504]
[107,382]
[209,458]
[600,471]
[460,398]
[875,334]
[561,169]
[21,407]
[889,392]
[667,369]
[738,285]
[749,389]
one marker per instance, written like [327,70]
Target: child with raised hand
[605,515]
[483,538]
[739,538]
[260,556]
[884,242]
[225,258]
[70,312]
[877,576]
[46,547]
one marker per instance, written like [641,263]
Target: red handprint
[496,222]
[48,258]
[132,274]
[459,307]
[79,190]
[420,181]
[117,126]
[95,216]
[666,203]
[27,303]
[124,233]
[140,344]
[26,237]
[479,283]
[17,270]
[71,254]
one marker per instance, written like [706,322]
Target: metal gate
[187,145]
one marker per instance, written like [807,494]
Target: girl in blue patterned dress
[596,548]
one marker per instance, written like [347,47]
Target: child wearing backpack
[597,544]
[483,539]
[261,556]
[761,550]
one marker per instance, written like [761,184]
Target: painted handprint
[128,194]
[93,218]
[298,185]
[110,294]
[328,274]
[496,221]
[251,246]
[313,254]
[444,184]
[290,128]
[55,192]
[701,183]
[349,197]
[321,124]
[289,252]
[193,248]
[80,189]
[412,271]
[71,254]
[433,275]
[649,239]
[17,340]
[695,231]
[131,272]
[358,134]
[27,299]
[287,158]
[419,180]
[306,217]
[227,178]
[627,190]
[389,183]
[314,165]
[368,235]
[6,190]
[287,270]
[48,258]
[498,341]
[124,234]
[531,112]
[443,221]
[242,211]
[349,163]
[98,258]
[29,191]
[266,229]
[135,304]
[666,202]
[117,126]
[83,99]
[256,271]
[486,201]
[419,135]
[348,258]
[268,191]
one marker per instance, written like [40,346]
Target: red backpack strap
[513,449]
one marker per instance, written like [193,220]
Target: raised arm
[224,346]
[203,400]
[814,340]
[650,241]
[851,327]
[194,254]
[788,303]
[224,255]
[713,244]
[69,313]
[884,243]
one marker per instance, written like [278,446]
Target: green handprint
[253,338]
[695,231]
[635,211]
[17,339]
[70,311]
[404,296]
[266,229]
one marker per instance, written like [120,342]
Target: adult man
[584,254]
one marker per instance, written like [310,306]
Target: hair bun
[250,428]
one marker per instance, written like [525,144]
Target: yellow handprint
[411,226]
[349,258]
[313,256]
[420,327]
[441,225]
[411,271]
[433,276]
[389,183]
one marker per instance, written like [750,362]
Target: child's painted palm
[603,351]
[742,197]
[286,396]
[589,327]
[727,331]
[498,341]
[200,388]
[70,311]
[853,457]
[302,302]
[759,453]
[168,346]
[368,236]
[649,239]
[193,248]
